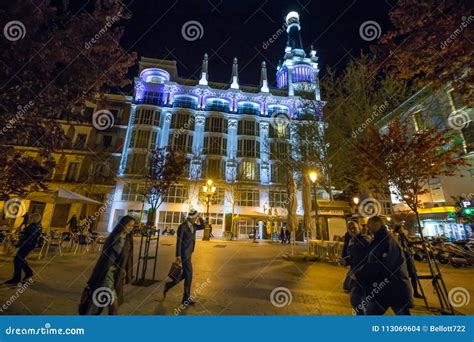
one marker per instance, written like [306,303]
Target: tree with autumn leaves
[53,59]
[431,43]
[406,161]
[163,170]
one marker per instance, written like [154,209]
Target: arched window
[275,109]
[248,108]
[184,101]
[217,105]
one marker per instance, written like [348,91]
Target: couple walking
[378,276]
[114,267]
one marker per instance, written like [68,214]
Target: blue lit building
[228,132]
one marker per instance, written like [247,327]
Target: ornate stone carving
[200,119]
[232,123]
[264,125]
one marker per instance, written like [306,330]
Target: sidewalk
[230,278]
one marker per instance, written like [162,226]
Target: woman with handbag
[29,238]
[357,253]
[112,271]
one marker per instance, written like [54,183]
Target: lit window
[249,170]
[185,102]
[248,108]
[217,105]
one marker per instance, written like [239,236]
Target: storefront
[443,222]
[332,218]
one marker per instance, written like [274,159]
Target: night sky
[240,28]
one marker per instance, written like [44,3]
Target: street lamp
[209,189]
[314,177]
[355,200]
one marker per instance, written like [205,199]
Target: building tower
[297,71]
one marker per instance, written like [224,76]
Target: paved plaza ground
[230,278]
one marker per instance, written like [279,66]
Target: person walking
[72,224]
[282,235]
[400,233]
[113,270]
[385,274]
[345,260]
[208,224]
[288,236]
[357,252]
[29,238]
[186,240]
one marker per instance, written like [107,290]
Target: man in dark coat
[185,243]
[385,275]
[29,238]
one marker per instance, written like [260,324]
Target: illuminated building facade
[229,133]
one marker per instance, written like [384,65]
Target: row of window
[217,105]
[248,170]
[185,121]
[172,219]
[180,194]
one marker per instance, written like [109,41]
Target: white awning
[60,196]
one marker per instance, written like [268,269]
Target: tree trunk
[307,199]
[150,221]
[292,220]
[331,198]
[232,224]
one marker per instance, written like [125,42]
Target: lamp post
[209,189]
[314,177]
[356,200]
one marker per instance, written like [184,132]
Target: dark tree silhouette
[52,61]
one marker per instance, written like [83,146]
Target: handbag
[86,299]
[176,271]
